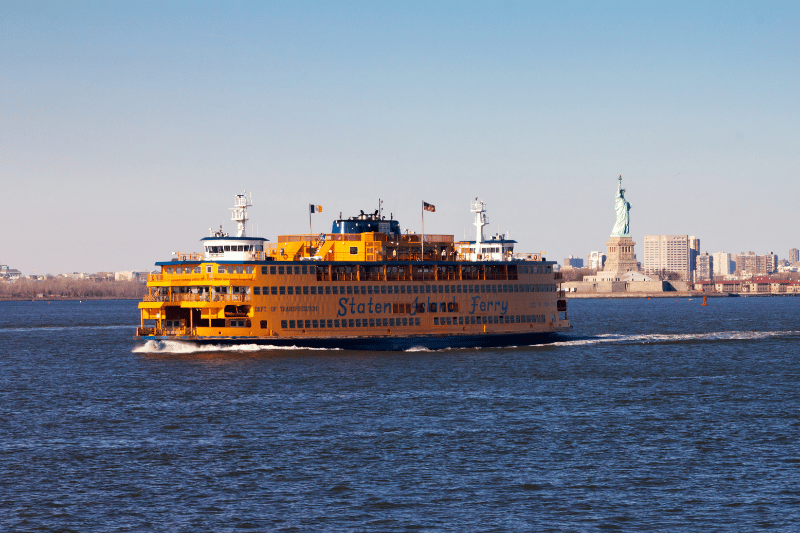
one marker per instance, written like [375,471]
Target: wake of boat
[178,347]
[677,337]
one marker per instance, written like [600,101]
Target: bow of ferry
[365,285]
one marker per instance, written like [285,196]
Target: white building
[722,264]
[596,260]
[667,253]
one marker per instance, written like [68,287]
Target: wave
[676,337]
[180,347]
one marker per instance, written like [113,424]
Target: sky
[127,128]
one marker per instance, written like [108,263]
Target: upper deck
[363,238]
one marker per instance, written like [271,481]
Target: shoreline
[676,294]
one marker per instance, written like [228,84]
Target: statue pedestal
[620,259]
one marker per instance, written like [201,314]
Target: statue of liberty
[622,207]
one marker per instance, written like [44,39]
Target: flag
[428,207]
[314,208]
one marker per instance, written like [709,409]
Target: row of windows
[405,289]
[235,248]
[409,321]
[312,269]
[296,269]
[351,323]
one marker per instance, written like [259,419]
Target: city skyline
[129,128]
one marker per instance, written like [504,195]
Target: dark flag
[428,207]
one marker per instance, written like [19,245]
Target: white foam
[180,347]
[677,337]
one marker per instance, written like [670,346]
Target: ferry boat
[364,286]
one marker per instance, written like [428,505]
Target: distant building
[596,260]
[667,253]
[749,264]
[694,251]
[573,262]
[9,273]
[794,255]
[705,267]
[722,264]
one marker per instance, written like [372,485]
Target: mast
[240,205]
[481,219]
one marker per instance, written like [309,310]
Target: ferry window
[239,269]
[459,288]
[283,251]
[312,269]
[417,289]
[358,322]
[460,320]
[291,324]
[354,250]
[436,321]
[284,324]
[281,269]
[272,269]
[427,288]
[363,289]
[264,270]
[402,289]
[327,289]
[391,321]
[369,289]
[314,289]
[257,291]
[305,269]
[197,269]
[290,290]
[372,322]
[297,269]
[335,289]
[383,289]
[405,321]
[209,269]
[336,323]
[416,321]
[273,290]
[330,323]
[349,289]
[315,324]
[308,324]
[283,290]
[259,248]
[305,289]
[297,290]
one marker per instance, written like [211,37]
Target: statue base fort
[620,260]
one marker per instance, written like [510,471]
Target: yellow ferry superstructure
[365,285]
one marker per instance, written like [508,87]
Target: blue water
[652,415]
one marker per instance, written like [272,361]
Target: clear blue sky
[126,128]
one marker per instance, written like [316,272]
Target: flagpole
[309,220]
[422,240]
